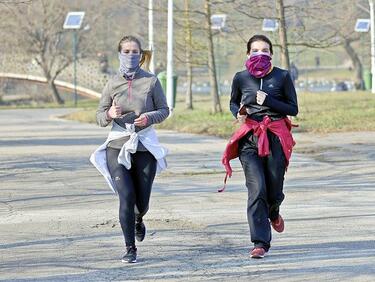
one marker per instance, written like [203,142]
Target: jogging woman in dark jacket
[261,99]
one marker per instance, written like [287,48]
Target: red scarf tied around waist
[281,128]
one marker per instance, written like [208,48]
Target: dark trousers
[264,181]
[134,188]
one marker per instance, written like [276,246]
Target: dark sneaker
[258,253]
[140,231]
[278,224]
[131,255]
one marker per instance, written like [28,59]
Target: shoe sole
[256,256]
[126,261]
[138,239]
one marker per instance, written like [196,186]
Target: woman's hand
[241,118]
[261,96]
[141,120]
[114,111]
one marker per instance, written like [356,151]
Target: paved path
[58,219]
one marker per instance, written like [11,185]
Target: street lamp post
[73,21]
[361,26]
[218,23]
[170,57]
[75,66]
[372,31]
[151,34]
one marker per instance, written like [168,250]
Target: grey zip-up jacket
[142,95]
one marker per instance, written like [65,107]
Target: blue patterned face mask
[128,62]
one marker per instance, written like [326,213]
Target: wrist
[146,120]
[107,116]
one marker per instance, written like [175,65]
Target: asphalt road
[58,219]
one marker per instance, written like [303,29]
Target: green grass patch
[318,112]
[321,74]
[83,115]
[336,111]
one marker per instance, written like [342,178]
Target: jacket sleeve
[235,96]
[104,104]
[289,106]
[161,110]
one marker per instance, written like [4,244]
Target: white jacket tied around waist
[146,136]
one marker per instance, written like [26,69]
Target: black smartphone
[128,117]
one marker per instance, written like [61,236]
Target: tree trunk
[216,107]
[51,83]
[357,65]
[55,93]
[188,40]
[282,35]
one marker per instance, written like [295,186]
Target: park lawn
[322,74]
[318,112]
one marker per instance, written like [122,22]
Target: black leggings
[133,187]
[264,182]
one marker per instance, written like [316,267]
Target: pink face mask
[259,64]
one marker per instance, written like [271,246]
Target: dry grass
[318,112]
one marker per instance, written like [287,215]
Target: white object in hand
[261,96]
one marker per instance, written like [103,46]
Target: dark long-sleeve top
[145,96]
[280,101]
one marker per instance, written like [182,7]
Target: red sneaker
[278,224]
[257,253]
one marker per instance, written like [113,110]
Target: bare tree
[216,106]
[283,34]
[193,45]
[310,24]
[198,41]
[189,68]
[40,34]
[337,31]
[258,10]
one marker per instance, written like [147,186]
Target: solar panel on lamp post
[74,21]
[362,26]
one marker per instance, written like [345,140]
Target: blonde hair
[146,54]
[146,59]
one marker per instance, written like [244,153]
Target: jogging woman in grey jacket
[132,100]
